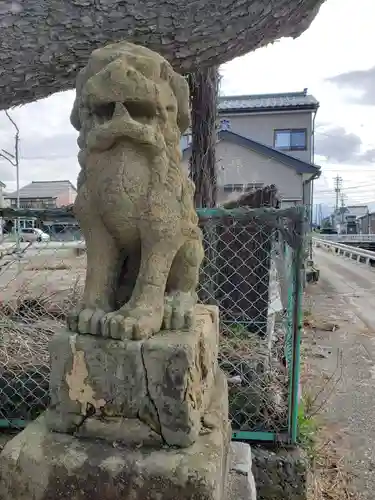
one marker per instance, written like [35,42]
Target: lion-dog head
[129,92]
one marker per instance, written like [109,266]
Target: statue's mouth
[135,120]
[138,110]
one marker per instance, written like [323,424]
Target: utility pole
[338,185]
[14,160]
[342,197]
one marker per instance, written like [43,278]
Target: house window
[290,139]
[37,203]
[234,188]
[185,141]
[224,124]
[242,188]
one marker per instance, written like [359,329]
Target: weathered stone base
[280,474]
[41,465]
[164,383]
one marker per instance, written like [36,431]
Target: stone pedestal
[162,386]
[131,420]
[41,465]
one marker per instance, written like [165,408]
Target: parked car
[32,234]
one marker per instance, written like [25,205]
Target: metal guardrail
[355,253]
[353,238]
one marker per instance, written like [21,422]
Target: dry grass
[23,345]
[29,319]
[257,381]
[329,476]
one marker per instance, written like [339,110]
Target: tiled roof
[357,210]
[300,166]
[257,102]
[42,189]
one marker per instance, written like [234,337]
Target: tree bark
[204,93]
[44,42]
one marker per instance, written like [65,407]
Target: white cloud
[48,148]
[339,41]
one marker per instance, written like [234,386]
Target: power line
[357,187]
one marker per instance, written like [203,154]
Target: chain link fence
[253,261]
[253,258]
[39,283]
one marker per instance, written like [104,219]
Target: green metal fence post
[296,330]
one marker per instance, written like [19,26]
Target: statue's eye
[141,109]
[104,111]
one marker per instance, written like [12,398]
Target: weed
[308,426]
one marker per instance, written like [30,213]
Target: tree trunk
[44,42]
[204,93]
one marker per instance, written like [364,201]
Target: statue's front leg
[142,316]
[182,283]
[101,278]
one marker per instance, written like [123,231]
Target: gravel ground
[40,274]
[340,351]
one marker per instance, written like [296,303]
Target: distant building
[346,220]
[265,139]
[40,195]
[2,186]
[366,223]
[43,194]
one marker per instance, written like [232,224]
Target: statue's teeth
[120,110]
[96,120]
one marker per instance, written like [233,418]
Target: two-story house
[347,220]
[366,223]
[43,194]
[265,139]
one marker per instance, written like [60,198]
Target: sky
[333,59]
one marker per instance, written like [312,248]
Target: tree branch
[12,158]
[45,42]
[13,123]
[8,154]
[8,159]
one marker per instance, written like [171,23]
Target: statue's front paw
[179,311]
[85,320]
[132,324]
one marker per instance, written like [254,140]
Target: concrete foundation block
[240,484]
[280,474]
[39,464]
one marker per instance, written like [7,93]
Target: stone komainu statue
[134,203]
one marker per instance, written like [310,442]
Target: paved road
[345,295]
[356,282]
